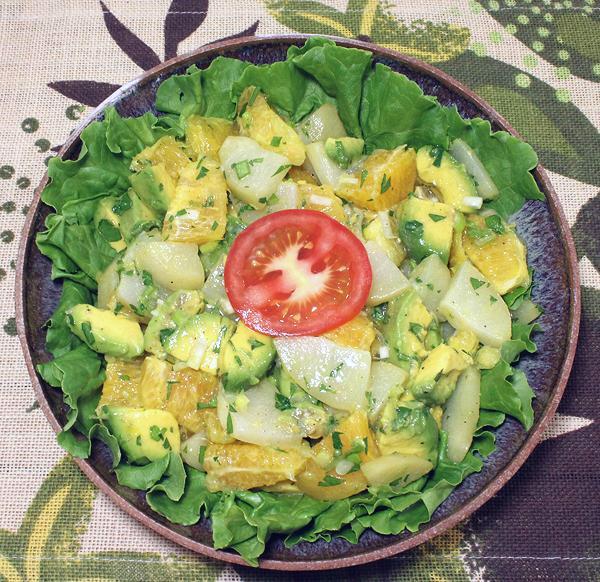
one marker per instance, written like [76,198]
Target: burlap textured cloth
[537,62]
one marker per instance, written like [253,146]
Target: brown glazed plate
[542,225]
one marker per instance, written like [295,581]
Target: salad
[292,301]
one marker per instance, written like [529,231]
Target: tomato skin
[297,272]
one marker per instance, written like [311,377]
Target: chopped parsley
[170,387]
[202,173]
[253,96]
[86,328]
[436,217]
[281,169]
[476,283]
[229,423]
[242,168]
[337,441]
[254,343]
[124,377]
[217,347]
[415,328]
[201,453]
[214,225]
[493,299]
[336,371]
[330,481]
[494,223]
[209,202]
[276,141]
[122,205]
[437,153]
[385,184]
[204,405]
[181,212]
[157,433]
[363,177]
[147,279]
[380,314]
[282,402]
[165,333]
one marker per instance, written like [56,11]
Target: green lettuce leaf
[394,111]
[340,71]
[292,92]
[59,339]
[142,477]
[97,171]
[520,342]
[515,297]
[75,248]
[507,159]
[165,475]
[217,84]
[181,94]
[186,510]
[130,135]
[172,483]
[79,444]
[78,373]
[505,389]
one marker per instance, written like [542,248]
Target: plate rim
[394,548]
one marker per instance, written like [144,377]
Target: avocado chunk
[408,427]
[406,329]
[439,169]
[393,249]
[426,228]
[200,342]
[154,186]
[105,332]
[174,312]
[108,224]
[309,413]
[344,151]
[436,378]
[143,434]
[134,215]
[246,358]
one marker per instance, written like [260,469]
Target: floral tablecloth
[537,62]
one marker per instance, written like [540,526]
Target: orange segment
[168,151]
[198,211]
[245,466]
[321,198]
[178,392]
[204,136]
[320,479]
[121,387]
[503,260]
[350,484]
[385,180]
[357,333]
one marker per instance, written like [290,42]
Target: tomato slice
[297,272]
